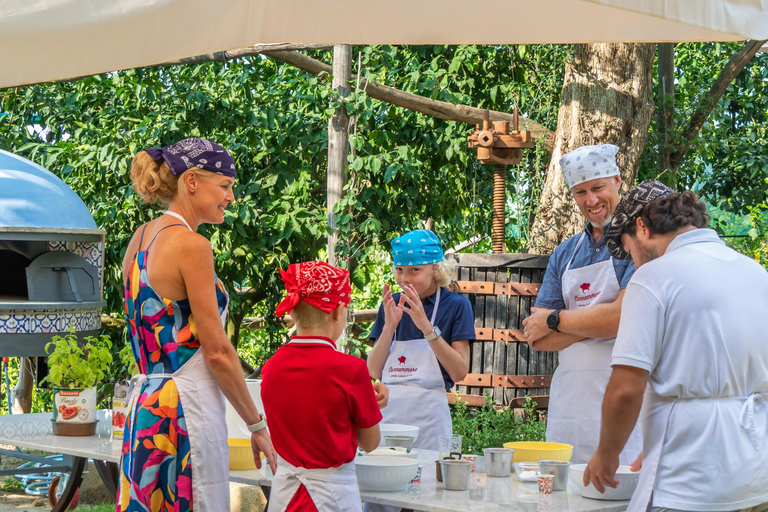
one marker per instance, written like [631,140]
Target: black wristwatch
[553,320]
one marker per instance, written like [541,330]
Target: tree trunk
[21,396]
[666,103]
[338,142]
[607,98]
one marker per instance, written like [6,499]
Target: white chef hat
[589,163]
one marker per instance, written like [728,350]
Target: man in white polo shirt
[692,329]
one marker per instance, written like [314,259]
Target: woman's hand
[261,442]
[415,309]
[392,314]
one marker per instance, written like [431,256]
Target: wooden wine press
[497,145]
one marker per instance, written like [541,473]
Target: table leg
[75,479]
[266,490]
[109,475]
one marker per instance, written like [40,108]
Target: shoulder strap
[141,239]
[158,232]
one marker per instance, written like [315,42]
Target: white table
[488,494]
[34,432]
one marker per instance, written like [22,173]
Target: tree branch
[434,108]
[288,53]
[708,101]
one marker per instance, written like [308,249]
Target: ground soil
[92,491]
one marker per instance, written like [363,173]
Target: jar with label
[119,409]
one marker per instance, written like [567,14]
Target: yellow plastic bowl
[240,454]
[533,451]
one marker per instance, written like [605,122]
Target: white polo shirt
[695,318]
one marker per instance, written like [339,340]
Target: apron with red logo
[578,385]
[417,389]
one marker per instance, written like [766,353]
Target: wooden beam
[489,288]
[473,400]
[475,379]
[338,142]
[521,381]
[434,108]
[358,316]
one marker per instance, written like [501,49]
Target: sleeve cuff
[373,420]
[628,361]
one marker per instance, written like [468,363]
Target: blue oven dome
[33,197]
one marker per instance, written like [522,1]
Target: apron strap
[573,255]
[182,219]
[747,416]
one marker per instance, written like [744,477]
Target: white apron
[579,382]
[205,417]
[417,389]
[204,414]
[331,489]
[655,417]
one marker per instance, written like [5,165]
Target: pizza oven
[51,260]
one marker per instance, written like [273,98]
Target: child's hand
[392,313]
[415,309]
[382,394]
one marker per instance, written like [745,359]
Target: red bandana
[316,283]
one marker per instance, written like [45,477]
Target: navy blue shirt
[551,292]
[454,319]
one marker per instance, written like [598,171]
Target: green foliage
[489,426]
[728,161]
[405,167]
[10,484]
[76,366]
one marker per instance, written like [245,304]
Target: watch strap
[258,426]
[554,320]
[433,335]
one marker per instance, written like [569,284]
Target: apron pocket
[211,407]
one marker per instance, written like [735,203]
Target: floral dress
[155,469]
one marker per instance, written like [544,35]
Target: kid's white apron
[417,389]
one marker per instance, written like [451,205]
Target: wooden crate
[502,288]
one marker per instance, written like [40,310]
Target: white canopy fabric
[45,40]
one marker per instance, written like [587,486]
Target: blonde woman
[175,454]
[422,338]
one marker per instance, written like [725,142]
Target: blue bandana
[418,247]
[195,152]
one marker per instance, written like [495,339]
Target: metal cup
[559,469]
[404,441]
[498,461]
[456,474]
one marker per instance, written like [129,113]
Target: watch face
[552,321]
[437,331]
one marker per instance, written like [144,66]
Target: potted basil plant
[74,368]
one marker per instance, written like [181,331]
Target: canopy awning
[44,40]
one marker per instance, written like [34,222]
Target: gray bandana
[628,210]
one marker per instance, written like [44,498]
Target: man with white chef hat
[692,332]
[578,306]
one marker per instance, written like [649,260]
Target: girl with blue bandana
[422,338]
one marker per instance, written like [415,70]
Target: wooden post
[666,103]
[338,141]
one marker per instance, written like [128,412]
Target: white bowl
[627,484]
[385,474]
[394,429]
[391,451]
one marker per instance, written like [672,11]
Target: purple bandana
[195,152]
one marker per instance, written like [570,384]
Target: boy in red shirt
[320,403]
